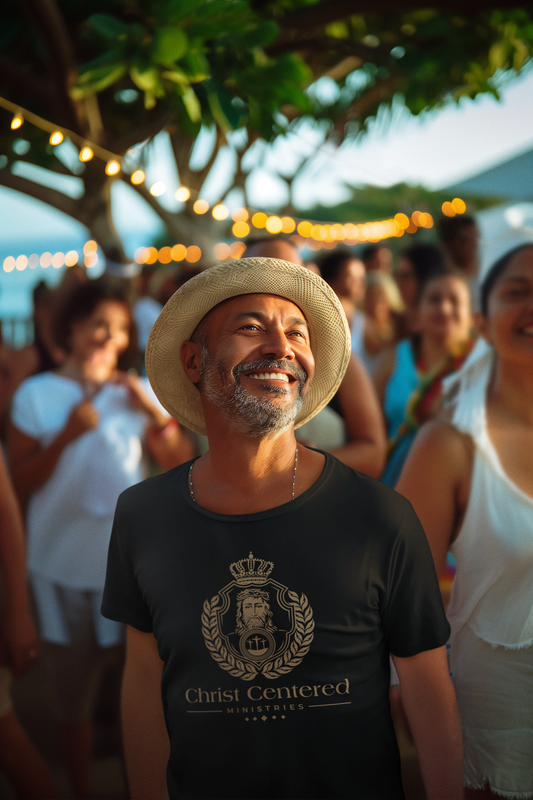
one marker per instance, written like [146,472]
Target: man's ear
[191,361]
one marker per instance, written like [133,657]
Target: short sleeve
[23,412]
[413,616]
[123,600]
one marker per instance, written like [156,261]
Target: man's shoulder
[155,492]
[366,496]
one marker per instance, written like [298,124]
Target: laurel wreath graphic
[303,636]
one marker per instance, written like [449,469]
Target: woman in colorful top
[471,484]
[409,377]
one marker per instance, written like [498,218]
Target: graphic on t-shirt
[255,624]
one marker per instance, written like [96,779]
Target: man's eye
[249,328]
[296,333]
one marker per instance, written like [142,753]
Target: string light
[220,212]
[182,194]
[112,168]
[458,205]
[86,154]
[56,138]
[137,177]
[17,122]
[157,189]
[200,207]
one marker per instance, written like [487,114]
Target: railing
[16,332]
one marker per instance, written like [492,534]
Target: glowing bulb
[237,249]
[402,220]
[259,220]
[458,205]
[273,225]
[157,189]
[56,137]
[86,154]
[165,255]
[221,251]
[17,121]
[220,212]
[200,207]
[58,259]
[240,215]
[448,210]
[182,194]
[112,168]
[193,254]
[240,230]
[137,177]
[178,252]
[9,264]
[71,258]
[21,263]
[288,225]
[304,229]
[89,247]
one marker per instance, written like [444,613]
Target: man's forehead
[256,304]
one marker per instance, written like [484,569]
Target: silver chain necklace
[191,489]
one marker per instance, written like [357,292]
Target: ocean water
[16,287]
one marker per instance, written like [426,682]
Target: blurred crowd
[80,423]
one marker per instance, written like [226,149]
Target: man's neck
[245,475]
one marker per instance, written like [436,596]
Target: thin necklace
[191,489]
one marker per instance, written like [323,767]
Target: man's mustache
[271,365]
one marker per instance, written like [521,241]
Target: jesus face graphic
[253,610]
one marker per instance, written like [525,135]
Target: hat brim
[329,332]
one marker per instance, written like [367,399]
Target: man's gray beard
[257,417]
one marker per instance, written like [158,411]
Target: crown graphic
[251,571]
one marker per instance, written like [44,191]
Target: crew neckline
[258,515]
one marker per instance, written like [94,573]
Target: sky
[435,150]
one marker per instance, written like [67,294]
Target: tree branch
[58,200]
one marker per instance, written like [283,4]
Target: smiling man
[325,570]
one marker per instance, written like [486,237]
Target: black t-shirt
[275,631]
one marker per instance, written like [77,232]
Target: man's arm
[428,698]
[146,744]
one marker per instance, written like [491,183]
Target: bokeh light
[200,206]
[71,258]
[182,194]
[157,189]
[46,259]
[259,220]
[112,168]
[458,205]
[58,259]
[137,177]
[194,254]
[240,229]
[178,252]
[56,137]
[86,154]
[221,251]
[240,215]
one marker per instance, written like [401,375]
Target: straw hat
[330,335]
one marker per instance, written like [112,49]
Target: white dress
[491,615]
[69,518]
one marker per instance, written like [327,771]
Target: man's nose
[277,345]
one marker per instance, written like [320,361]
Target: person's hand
[83,417]
[139,399]
[21,640]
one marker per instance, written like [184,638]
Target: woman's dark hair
[330,266]
[440,273]
[80,303]
[494,273]
[427,259]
